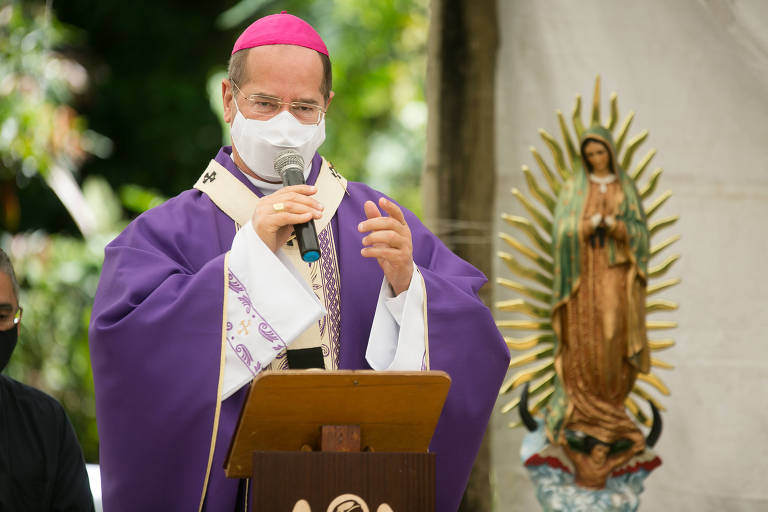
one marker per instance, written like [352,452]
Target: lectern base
[403,481]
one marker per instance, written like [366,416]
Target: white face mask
[259,142]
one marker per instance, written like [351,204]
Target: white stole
[322,276]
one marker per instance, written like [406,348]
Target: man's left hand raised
[389,241]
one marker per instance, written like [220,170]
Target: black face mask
[8,339]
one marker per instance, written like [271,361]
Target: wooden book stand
[330,441]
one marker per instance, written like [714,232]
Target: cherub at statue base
[553,476]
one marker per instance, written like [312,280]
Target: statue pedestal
[553,477]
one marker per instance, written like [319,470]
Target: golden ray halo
[532,262]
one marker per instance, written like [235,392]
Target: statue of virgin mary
[600,242]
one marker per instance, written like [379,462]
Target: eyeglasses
[266,107]
[8,320]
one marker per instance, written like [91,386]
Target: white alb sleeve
[268,306]
[397,340]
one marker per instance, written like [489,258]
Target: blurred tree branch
[40,134]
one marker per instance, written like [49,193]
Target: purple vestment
[155,341]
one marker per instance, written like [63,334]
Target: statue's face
[598,157]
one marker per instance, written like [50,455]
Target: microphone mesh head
[288,159]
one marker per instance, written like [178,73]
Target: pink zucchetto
[280,28]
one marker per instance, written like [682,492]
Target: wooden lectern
[339,440]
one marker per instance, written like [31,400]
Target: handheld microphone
[289,164]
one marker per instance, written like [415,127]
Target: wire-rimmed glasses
[265,107]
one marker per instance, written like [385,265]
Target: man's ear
[328,103]
[227,98]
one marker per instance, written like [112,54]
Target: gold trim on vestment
[218,387]
[426,324]
[227,192]
[237,201]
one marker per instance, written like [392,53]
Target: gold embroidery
[218,387]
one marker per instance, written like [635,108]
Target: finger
[288,219]
[384,253]
[371,211]
[381,223]
[291,208]
[385,238]
[292,198]
[306,190]
[392,209]
[282,224]
[292,213]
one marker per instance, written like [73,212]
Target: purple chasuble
[155,340]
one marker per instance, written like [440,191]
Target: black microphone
[290,166]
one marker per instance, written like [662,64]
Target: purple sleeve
[155,339]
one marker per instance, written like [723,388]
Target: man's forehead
[285,54]
[275,68]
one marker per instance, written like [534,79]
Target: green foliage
[39,130]
[139,199]
[31,88]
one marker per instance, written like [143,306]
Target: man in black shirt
[41,464]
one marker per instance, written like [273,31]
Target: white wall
[696,73]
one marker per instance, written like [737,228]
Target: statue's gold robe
[599,320]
